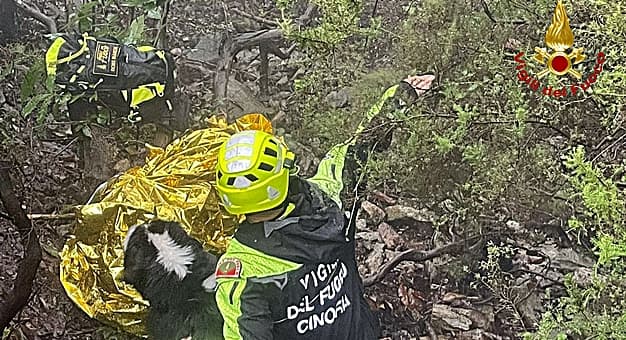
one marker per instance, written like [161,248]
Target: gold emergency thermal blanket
[175,184]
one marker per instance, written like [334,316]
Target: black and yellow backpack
[133,81]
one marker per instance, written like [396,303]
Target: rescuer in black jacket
[290,270]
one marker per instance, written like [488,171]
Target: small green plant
[104,19]
[598,310]
[501,284]
[38,93]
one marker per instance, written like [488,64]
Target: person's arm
[329,175]
[245,310]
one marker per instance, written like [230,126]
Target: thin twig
[49,217]
[263,70]
[161,36]
[254,17]
[65,147]
[609,147]
[488,11]
[278,117]
[493,19]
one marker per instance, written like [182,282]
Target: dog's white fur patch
[209,283]
[129,233]
[171,255]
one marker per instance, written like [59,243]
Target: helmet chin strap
[263,216]
[278,213]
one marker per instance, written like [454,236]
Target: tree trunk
[8,20]
[27,269]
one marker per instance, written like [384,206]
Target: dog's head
[172,271]
[165,264]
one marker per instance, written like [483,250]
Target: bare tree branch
[263,70]
[254,17]
[161,36]
[418,256]
[35,13]
[231,45]
[51,217]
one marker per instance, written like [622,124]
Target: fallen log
[416,255]
[231,45]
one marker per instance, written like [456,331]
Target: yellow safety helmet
[253,172]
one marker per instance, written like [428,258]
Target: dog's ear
[177,233]
[136,255]
[158,226]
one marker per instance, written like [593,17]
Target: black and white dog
[172,271]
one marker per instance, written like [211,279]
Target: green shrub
[484,146]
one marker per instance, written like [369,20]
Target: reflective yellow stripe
[290,208]
[145,48]
[52,55]
[375,109]
[254,264]
[330,171]
[160,88]
[82,50]
[80,69]
[228,298]
[140,95]
[144,93]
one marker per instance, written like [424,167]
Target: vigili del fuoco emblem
[559,58]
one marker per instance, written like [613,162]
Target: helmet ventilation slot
[251,177]
[270,152]
[266,167]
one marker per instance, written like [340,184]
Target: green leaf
[154,13]
[50,83]
[32,104]
[135,31]
[444,145]
[33,77]
[102,118]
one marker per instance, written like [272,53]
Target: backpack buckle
[134,117]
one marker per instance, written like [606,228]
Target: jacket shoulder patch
[228,268]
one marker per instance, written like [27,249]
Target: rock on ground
[374,214]
[390,237]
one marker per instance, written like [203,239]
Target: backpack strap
[52,55]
